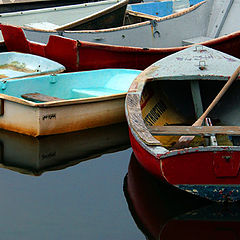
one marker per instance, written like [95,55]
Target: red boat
[164,212]
[78,55]
[162,104]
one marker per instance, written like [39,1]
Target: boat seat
[194,130]
[93,92]
[38,97]
[42,25]
[195,40]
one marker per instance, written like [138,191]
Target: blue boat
[163,8]
[19,65]
[67,102]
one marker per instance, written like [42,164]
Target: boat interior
[174,105]
[55,17]
[223,19]
[68,86]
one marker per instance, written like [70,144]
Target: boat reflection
[28,155]
[163,212]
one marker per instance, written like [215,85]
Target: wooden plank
[40,97]
[197,100]
[191,130]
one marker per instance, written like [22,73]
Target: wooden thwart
[193,130]
[40,97]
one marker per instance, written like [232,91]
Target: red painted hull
[210,173]
[163,212]
[79,55]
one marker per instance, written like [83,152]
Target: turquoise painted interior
[73,85]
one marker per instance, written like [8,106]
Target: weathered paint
[89,99]
[193,166]
[154,204]
[191,22]
[18,65]
[222,193]
[109,13]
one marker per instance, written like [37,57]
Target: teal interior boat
[66,102]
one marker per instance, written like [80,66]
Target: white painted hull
[62,118]
[65,17]
[171,31]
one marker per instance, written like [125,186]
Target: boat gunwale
[119,48]
[134,113]
[64,102]
[116,5]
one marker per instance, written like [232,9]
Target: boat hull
[37,121]
[163,212]
[93,15]
[79,55]
[209,172]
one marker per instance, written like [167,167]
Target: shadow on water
[29,155]
[163,212]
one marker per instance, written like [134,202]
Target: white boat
[92,15]
[67,102]
[201,23]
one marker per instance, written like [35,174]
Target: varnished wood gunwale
[193,130]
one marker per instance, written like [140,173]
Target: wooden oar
[184,141]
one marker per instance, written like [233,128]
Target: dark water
[82,201]
[88,185]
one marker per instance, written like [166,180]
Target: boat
[213,23]
[20,5]
[92,15]
[18,65]
[67,102]
[163,212]
[162,106]
[162,8]
[35,156]
[106,55]
[79,55]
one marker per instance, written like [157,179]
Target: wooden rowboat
[19,65]
[92,15]
[163,212]
[66,102]
[51,153]
[161,104]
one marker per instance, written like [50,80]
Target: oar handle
[184,141]
[218,97]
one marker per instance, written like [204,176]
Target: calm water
[83,201]
[61,187]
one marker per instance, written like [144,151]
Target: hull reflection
[29,155]
[163,212]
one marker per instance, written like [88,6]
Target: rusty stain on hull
[17,66]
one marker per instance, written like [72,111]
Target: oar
[184,141]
